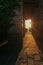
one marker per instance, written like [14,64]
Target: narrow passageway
[29,44]
[30,53]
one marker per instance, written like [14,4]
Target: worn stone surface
[30,53]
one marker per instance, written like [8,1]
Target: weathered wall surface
[37,25]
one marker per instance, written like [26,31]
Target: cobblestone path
[30,53]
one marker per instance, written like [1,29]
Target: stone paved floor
[30,53]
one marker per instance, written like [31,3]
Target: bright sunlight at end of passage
[28,23]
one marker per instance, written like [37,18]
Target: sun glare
[28,23]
